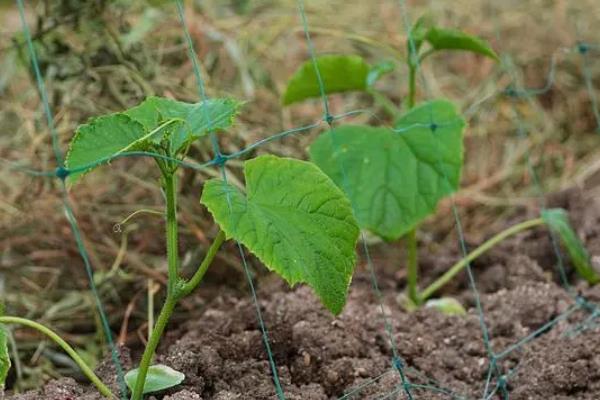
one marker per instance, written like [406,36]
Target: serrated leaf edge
[79,134]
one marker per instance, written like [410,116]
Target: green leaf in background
[446,305]
[197,118]
[340,73]
[417,34]
[394,179]
[4,357]
[102,138]
[378,70]
[558,221]
[295,220]
[452,39]
[160,377]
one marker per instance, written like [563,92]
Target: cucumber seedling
[292,216]
[395,177]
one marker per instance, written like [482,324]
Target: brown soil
[322,357]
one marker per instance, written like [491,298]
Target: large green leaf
[159,377]
[340,73]
[558,221]
[197,119]
[295,220]
[395,178]
[145,127]
[452,39]
[102,138]
[4,357]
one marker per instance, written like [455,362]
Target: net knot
[220,159]
[328,118]
[502,381]
[583,48]
[433,126]
[510,91]
[583,303]
[398,363]
[61,173]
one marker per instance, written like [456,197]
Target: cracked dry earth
[320,357]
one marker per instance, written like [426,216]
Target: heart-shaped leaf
[295,220]
[395,178]
[159,377]
[340,73]
[452,39]
[558,221]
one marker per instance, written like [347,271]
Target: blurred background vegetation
[99,56]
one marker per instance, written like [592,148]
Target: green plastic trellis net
[409,380]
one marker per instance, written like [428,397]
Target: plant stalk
[412,86]
[87,371]
[412,268]
[412,271]
[170,188]
[459,266]
[176,288]
[159,328]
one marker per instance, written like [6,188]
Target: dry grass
[90,70]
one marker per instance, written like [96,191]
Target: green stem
[208,259]
[412,271]
[459,266]
[159,328]
[412,86]
[170,186]
[87,371]
[176,287]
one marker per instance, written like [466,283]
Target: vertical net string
[62,174]
[516,90]
[584,50]
[58,154]
[522,133]
[221,161]
[397,362]
[493,367]
[456,216]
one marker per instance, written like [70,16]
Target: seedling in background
[292,217]
[395,177]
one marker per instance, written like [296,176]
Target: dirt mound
[321,357]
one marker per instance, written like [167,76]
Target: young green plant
[292,216]
[395,177]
